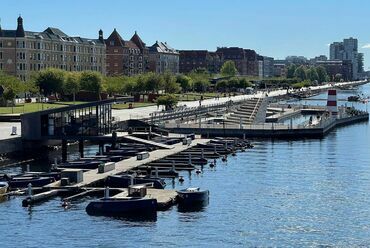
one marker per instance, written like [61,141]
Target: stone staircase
[248,112]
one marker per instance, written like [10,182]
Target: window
[111,43]
[115,50]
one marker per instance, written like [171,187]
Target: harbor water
[312,192]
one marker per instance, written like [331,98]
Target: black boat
[192,196]
[121,207]
[124,181]
[87,165]
[35,181]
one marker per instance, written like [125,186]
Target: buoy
[233,153]
[211,165]
[181,179]
[198,171]
[224,158]
[214,161]
[66,204]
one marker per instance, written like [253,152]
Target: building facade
[334,67]
[268,67]
[191,60]
[23,52]
[163,58]
[126,57]
[346,50]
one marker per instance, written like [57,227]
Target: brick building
[126,57]
[194,59]
[22,52]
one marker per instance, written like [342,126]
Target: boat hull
[123,207]
[187,198]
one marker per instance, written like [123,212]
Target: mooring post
[30,190]
[81,148]
[202,153]
[64,150]
[243,136]
[190,158]
[156,172]
[28,167]
[132,180]
[114,140]
[173,165]
[106,192]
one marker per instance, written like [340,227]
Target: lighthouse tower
[332,103]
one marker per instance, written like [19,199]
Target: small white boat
[3,188]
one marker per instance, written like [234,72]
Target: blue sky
[274,28]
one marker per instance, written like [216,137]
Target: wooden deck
[128,164]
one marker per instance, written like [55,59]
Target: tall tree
[72,84]
[290,71]
[228,69]
[153,82]
[300,73]
[91,81]
[321,72]
[185,82]
[169,83]
[312,74]
[50,80]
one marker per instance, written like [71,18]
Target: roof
[137,40]
[51,34]
[161,47]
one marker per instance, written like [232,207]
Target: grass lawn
[193,96]
[134,105]
[28,107]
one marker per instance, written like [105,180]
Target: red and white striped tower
[332,103]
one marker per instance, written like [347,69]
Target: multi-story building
[126,57]
[268,67]
[318,58]
[279,69]
[191,60]
[163,58]
[346,50]
[23,52]
[334,67]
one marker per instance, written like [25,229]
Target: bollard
[30,190]
[28,167]
[173,165]
[156,172]
[100,150]
[132,180]
[243,136]
[106,192]
[214,149]
[202,153]
[190,158]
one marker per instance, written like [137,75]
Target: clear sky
[274,28]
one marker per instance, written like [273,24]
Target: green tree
[338,77]
[72,84]
[300,73]
[92,81]
[312,74]
[201,84]
[169,101]
[228,69]
[322,75]
[290,71]
[185,82]
[222,85]
[50,80]
[153,82]
[169,83]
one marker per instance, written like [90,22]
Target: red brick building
[126,57]
[194,59]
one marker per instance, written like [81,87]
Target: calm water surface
[281,193]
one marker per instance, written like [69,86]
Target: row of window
[55,47]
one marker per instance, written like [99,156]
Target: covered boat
[192,196]
[35,181]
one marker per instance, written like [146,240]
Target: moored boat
[192,196]
[124,181]
[35,181]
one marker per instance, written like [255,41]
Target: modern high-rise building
[23,52]
[346,50]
